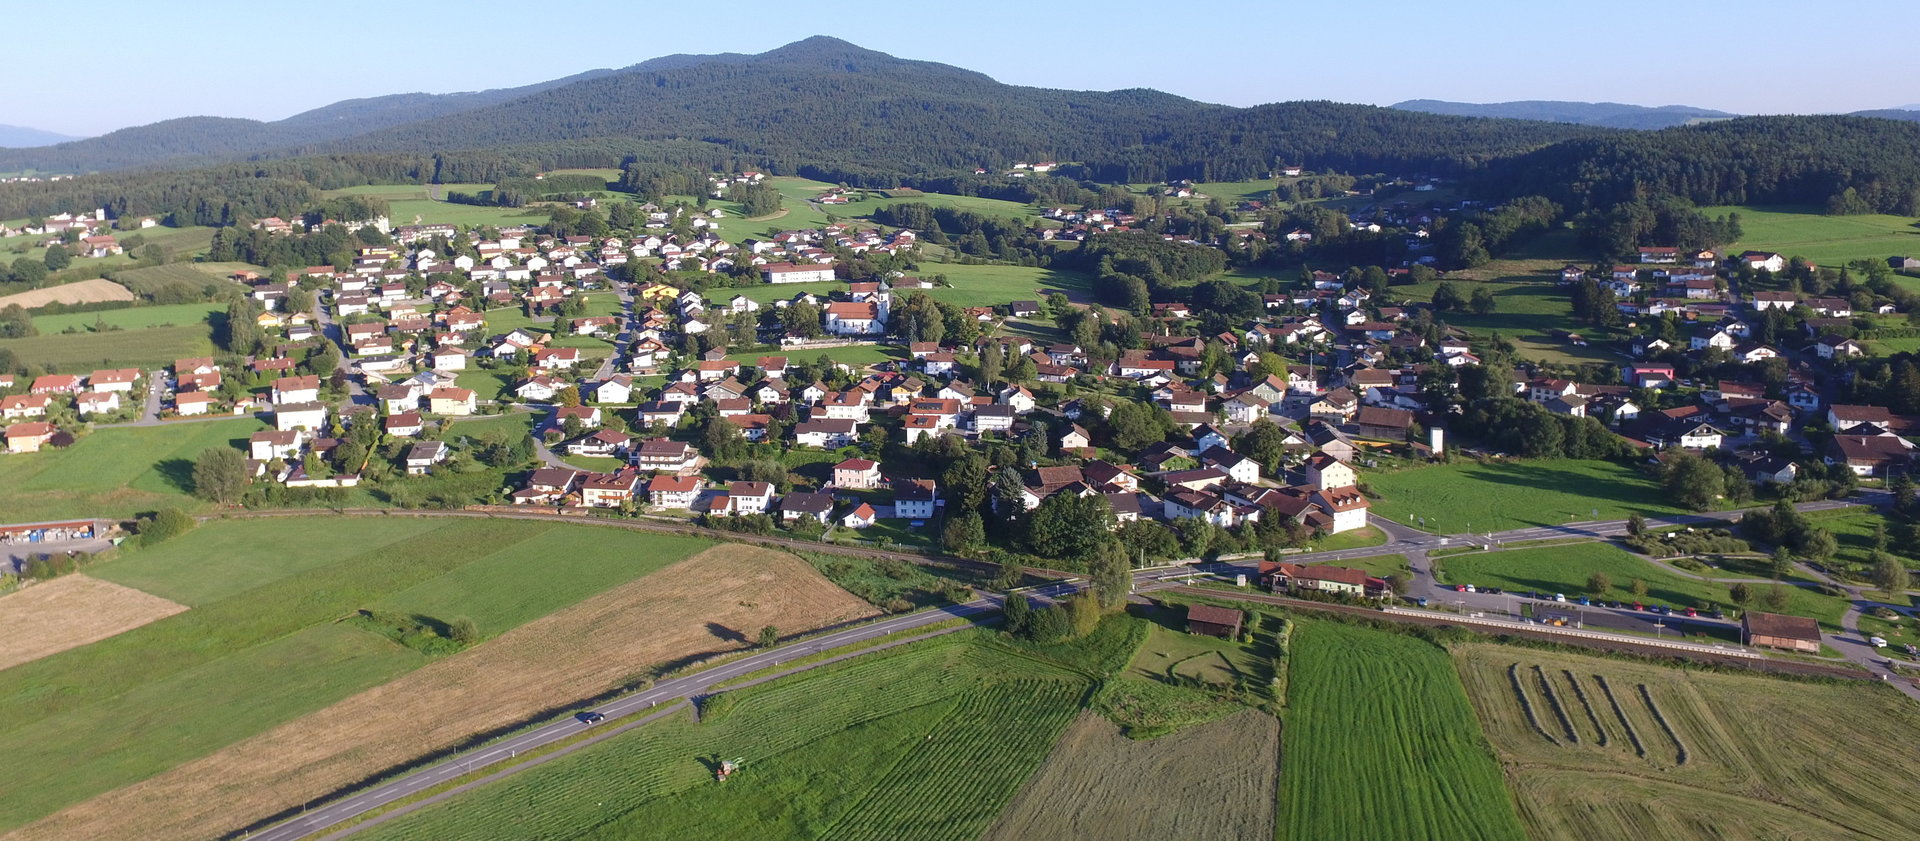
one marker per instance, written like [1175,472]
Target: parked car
[1560,598]
[1692,612]
[1878,642]
[1495,591]
[1419,601]
[1639,606]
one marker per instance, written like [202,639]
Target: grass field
[709,603]
[920,743]
[151,347]
[1826,240]
[1213,782]
[972,286]
[1646,751]
[1170,654]
[1564,569]
[846,355]
[245,660]
[1386,709]
[1359,538]
[114,472]
[129,319]
[1527,307]
[1497,496]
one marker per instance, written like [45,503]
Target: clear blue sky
[138,61]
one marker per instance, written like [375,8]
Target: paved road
[333,332]
[622,339]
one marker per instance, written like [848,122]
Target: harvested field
[713,602]
[81,292]
[1215,781]
[1689,755]
[69,612]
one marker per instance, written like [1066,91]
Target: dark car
[591,717]
[1494,590]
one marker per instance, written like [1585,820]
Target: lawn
[427,211]
[846,354]
[928,741]
[487,384]
[1359,538]
[147,348]
[1565,569]
[1380,566]
[263,644]
[1825,240]
[1381,742]
[1648,751]
[1501,495]
[115,472]
[1526,309]
[1170,654]
[130,318]
[971,286]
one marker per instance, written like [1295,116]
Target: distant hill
[20,137]
[843,110]
[1910,113]
[1607,114]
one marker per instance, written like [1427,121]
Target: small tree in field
[1741,594]
[1636,524]
[1638,588]
[769,636]
[1599,584]
[463,630]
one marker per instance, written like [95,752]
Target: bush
[165,524]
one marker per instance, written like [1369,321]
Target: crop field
[1213,782]
[147,348]
[71,611]
[129,319]
[1600,748]
[1564,569]
[1374,706]
[707,604]
[1502,495]
[1826,240]
[926,742]
[78,292]
[115,471]
[246,660]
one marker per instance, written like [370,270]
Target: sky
[270,61]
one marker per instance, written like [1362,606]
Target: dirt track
[707,604]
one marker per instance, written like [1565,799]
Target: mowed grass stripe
[227,557]
[156,725]
[1381,743]
[65,683]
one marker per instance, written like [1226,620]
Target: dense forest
[1756,160]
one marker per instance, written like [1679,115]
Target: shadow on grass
[177,472]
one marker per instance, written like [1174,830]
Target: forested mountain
[1607,114]
[23,136]
[1848,164]
[850,113]
[187,141]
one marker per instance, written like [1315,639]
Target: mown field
[1604,749]
[143,348]
[1528,306]
[1503,495]
[1565,569]
[129,319]
[264,643]
[928,742]
[972,286]
[1381,742]
[115,471]
[1826,240]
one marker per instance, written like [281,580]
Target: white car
[1878,642]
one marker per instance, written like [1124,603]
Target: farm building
[1213,621]
[1773,630]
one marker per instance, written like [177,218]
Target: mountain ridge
[26,137]
[1605,114]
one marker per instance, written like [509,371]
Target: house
[448,359]
[1214,621]
[1763,261]
[17,406]
[1326,472]
[29,437]
[189,403]
[609,490]
[296,389]
[404,425]
[113,379]
[1869,455]
[604,443]
[674,491]
[96,402]
[615,389]
[308,416]
[665,455]
[857,473]
[1830,346]
[860,517]
[1237,467]
[993,418]
[450,401]
[269,444]
[855,318]
[588,416]
[1321,578]
[749,498]
[556,359]
[1649,376]
[1659,254]
[827,433]
[1076,437]
[915,499]
[1843,418]
[540,388]
[1763,301]
[814,506]
[421,457]
[1023,309]
[1774,630]
[57,384]
[1346,506]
